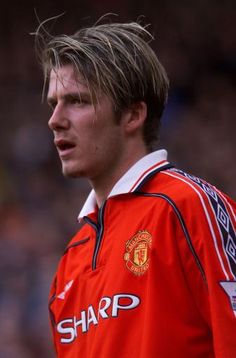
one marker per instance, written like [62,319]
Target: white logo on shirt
[230,289]
[66,288]
[108,307]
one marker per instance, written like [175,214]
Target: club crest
[137,253]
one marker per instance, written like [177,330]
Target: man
[152,271]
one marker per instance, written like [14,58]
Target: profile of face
[89,138]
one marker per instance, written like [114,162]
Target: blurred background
[195,40]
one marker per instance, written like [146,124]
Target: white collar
[130,180]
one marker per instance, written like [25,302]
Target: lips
[64,146]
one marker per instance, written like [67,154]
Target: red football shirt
[152,273]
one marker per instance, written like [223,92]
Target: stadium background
[195,40]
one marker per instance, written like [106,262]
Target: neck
[103,186]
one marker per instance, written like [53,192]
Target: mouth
[64,146]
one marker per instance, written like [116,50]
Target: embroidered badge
[137,253]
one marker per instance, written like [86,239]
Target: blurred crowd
[38,207]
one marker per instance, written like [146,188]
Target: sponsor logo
[108,307]
[137,255]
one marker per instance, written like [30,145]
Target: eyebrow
[67,96]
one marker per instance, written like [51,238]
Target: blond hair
[114,58]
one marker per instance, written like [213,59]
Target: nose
[58,120]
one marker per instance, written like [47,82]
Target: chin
[71,173]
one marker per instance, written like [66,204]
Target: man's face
[89,140]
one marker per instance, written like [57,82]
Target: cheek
[91,144]
[111,145]
[96,135]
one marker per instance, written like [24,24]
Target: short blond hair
[117,59]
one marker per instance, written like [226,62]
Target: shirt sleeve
[209,217]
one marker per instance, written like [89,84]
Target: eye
[80,101]
[76,100]
[52,104]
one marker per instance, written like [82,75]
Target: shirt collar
[130,180]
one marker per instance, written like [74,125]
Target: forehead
[65,79]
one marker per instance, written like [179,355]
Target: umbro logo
[62,295]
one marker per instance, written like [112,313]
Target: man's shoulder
[181,186]
[194,200]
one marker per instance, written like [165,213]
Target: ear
[134,117]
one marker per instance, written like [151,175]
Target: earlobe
[135,117]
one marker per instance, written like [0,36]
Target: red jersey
[152,273]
